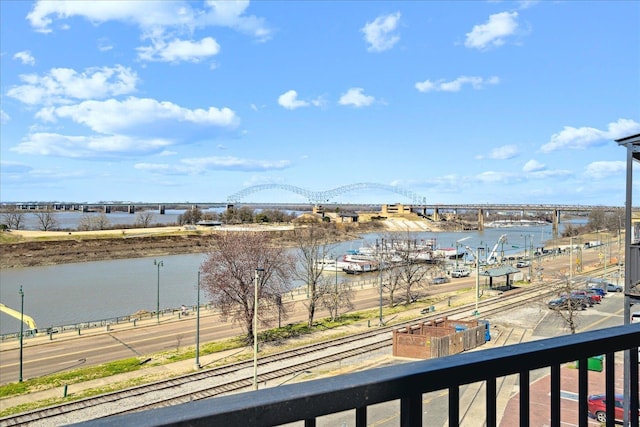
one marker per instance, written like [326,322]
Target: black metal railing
[306,401]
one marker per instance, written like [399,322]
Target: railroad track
[237,377]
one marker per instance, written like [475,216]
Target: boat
[357,267]
[330,264]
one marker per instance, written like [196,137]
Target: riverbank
[30,248]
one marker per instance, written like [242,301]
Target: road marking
[569,395]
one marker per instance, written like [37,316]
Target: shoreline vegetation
[31,248]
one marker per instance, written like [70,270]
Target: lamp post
[255,328]
[477,313]
[528,253]
[197,363]
[21,330]
[570,258]
[458,245]
[158,264]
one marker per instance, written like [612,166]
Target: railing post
[454,405]
[524,399]
[361,416]
[411,410]
[610,387]
[555,395]
[583,390]
[492,416]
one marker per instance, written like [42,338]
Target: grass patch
[74,376]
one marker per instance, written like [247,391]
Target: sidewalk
[540,394]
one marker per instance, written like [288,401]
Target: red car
[598,407]
[593,297]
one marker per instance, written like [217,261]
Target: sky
[515,102]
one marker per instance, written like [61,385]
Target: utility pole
[21,330]
[197,363]
[255,328]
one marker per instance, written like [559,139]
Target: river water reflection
[73,293]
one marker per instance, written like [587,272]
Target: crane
[28,320]
[491,259]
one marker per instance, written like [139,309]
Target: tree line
[46,220]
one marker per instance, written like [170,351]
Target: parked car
[598,291]
[460,272]
[593,297]
[565,303]
[597,407]
[439,280]
[583,295]
[613,288]
[523,264]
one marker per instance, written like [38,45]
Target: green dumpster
[594,363]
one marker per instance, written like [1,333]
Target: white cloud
[179,50]
[290,101]
[4,117]
[26,57]
[533,166]
[143,115]
[494,177]
[493,32]
[53,144]
[194,166]
[231,14]
[356,98]
[235,163]
[61,85]
[152,16]
[13,167]
[455,85]
[599,170]
[379,34]
[585,137]
[503,153]
[104,45]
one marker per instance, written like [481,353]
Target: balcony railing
[306,401]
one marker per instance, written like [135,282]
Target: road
[42,355]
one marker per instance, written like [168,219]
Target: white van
[635,317]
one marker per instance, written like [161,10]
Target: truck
[460,272]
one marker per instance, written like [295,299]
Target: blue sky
[458,102]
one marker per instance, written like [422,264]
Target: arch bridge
[318,197]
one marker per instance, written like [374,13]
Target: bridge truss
[316,197]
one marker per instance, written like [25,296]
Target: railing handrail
[316,398]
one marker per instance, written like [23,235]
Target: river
[73,293]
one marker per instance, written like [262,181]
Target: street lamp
[158,264]
[255,328]
[197,363]
[528,254]
[458,245]
[477,313]
[21,293]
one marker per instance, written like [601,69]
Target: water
[73,293]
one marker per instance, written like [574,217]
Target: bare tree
[46,220]
[14,219]
[412,271]
[566,306]
[229,272]
[93,222]
[336,297]
[144,219]
[312,246]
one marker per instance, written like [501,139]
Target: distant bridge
[319,197]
